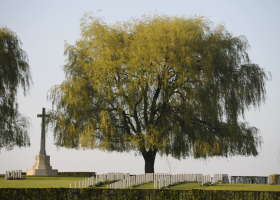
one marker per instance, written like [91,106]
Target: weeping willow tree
[14,73]
[159,84]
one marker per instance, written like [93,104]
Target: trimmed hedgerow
[71,173]
[76,173]
[132,194]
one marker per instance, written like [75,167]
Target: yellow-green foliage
[173,85]
[274,178]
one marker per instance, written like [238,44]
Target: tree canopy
[159,84]
[14,73]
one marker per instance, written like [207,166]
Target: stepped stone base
[42,167]
[42,172]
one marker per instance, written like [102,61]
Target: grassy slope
[41,182]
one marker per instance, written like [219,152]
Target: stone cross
[43,139]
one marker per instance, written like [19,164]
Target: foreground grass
[41,182]
[146,186]
[187,186]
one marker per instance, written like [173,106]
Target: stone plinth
[42,167]
[42,172]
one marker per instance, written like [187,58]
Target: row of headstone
[126,180]
[14,174]
[111,176]
[149,177]
[140,178]
[101,178]
[221,177]
[126,175]
[181,177]
[193,177]
[124,183]
[119,176]
[205,178]
[129,181]
[158,176]
[162,180]
[84,183]
[217,177]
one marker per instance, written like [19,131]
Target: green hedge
[76,173]
[72,173]
[133,194]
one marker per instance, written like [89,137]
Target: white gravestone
[155,184]
[269,181]
[127,175]
[222,177]
[205,179]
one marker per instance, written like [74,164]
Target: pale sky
[43,26]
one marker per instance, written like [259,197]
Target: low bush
[208,183]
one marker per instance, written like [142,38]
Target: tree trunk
[149,157]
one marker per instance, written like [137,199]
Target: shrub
[274,179]
[208,183]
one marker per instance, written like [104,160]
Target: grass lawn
[251,187]
[41,182]
[64,182]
